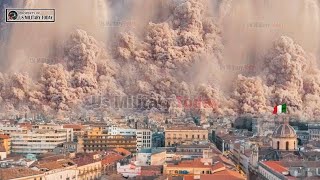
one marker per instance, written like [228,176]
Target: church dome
[284,131]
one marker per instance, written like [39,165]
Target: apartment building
[144,136]
[298,169]
[37,141]
[78,130]
[88,166]
[58,128]
[97,140]
[194,168]
[314,131]
[153,156]
[114,130]
[67,147]
[179,135]
[57,169]
[8,129]
[144,139]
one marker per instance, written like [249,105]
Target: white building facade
[58,128]
[8,129]
[144,139]
[267,173]
[314,131]
[129,170]
[37,141]
[144,136]
[121,131]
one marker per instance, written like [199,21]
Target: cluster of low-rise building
[127,147]
[281,154]
[49,166]
[157,148]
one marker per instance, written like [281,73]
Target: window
[287,145]
[278,145]
[299,170]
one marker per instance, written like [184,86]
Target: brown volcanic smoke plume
[172,53]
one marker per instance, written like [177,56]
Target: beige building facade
[179,135]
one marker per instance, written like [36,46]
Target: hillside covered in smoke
[178,57]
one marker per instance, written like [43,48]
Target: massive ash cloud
[292,77]
[250,95]
[172,62]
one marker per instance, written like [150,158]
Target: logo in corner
[12,15]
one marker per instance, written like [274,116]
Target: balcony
[95,148]
[102,143]
[93,139]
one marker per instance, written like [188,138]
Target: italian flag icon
[280,109]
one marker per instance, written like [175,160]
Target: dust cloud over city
[242,57]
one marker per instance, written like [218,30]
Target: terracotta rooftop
[150,171]
[223,175]
[188,177]
[84,160]
[111,158]
[55,164]
[275,166]
[3,136]
[47,157]
[231,137]
[189,163]
[73,126]
[185,128]
[218,166]
[13,173]
[122,151]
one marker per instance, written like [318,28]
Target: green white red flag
[280,109]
